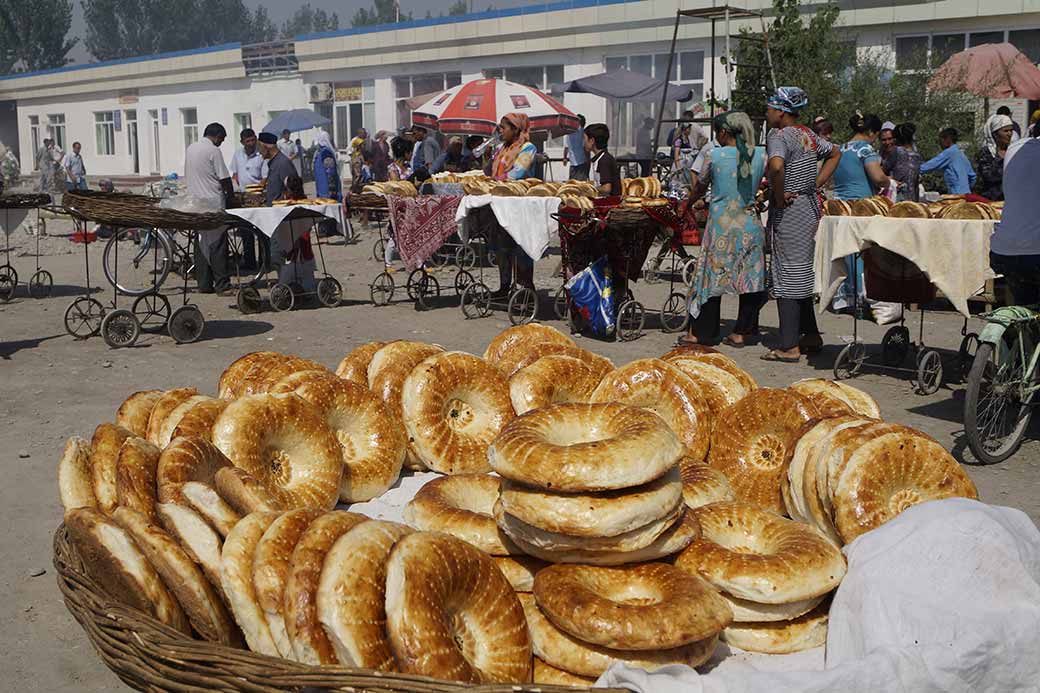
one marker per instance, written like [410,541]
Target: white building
[138,115]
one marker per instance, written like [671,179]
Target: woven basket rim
[125,209]
[24,200]
[149,655]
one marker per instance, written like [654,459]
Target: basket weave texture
[124,209]
[150,656]
[24,200]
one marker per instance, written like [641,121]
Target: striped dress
[793,229]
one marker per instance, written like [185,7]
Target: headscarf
[323,141]
[739,125]
[506,156]
[995,122]
[789,99]
[888,125]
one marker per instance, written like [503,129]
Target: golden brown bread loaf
[783,637]
[135,476]
[354,366]
[163,407]
[187,459]
[198,420]
[134,412]
[701,484]
[519,338]
[463,506]
[104,454]
[75,479]
[553,379]
[236,576]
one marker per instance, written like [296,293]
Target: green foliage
[262,28]
[307,20]
[382,12]
[33,34]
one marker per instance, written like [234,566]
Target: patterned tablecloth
[422,224]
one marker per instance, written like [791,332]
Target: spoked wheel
[476,301]
[465,257]
[439,258]
[379,250]
[966,354]
[120,328]
[630,320]
[562,303]
[138,261]
[462,280]
[282,297]
[929,372]
[895,345]
[152,312]
[330,292]
[689,271]
[83,317]
[523,305]
[186,324]
[382,289]
[426,289]
[413,283]
[673,313]
[248,300]
[8,282]
[41,284]
[995,415]
[849,361]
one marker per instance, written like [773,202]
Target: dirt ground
[54,386]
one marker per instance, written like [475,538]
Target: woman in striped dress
[794,215]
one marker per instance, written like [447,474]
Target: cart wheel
[248,300]
[849,361]
[413,281]
[186,324]
[462,280]
[426,289]
[523,305]
[8,282]
[966,354]
[282,297]
[330,292]
[673,313]
[120,328]
[152,312]
[929,373]
[465,257]
[476,301]
[382,289]
[41,284]
[83,317]
[439,258]
[561,303]
[379,250]
[689,271]
[630,319]
[895,345]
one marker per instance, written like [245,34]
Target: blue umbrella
[296,120]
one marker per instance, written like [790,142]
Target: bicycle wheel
[995,417]
[137,265]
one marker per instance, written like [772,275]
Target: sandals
[728,341]
[773,355]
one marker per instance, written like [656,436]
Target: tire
[330,292]
[120,329]
[41,284]
[379,250]
[282,297]
[83,317]
[562,303]
[381,291]
[895,346]
[523,306]
[465,257]
[689,271]
[849,361]
[152,312]
[248,300]
[673,313]
[630,320]
[929,373]
[476,301]
[139,270]
[426,289]
[186,324]
[8,282]
[966,354]
[462,279]
[411,287]
[980,399]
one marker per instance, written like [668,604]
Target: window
[105,133]
[243,121]
[34,134]
[944,46]
[915,52]
[1027,41]
[354,109]
[409,87]
[56,129]
[911,52]
[190,121]
[980,38]
[541,78]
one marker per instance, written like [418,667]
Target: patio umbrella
[993,71]
[474,108]
[296,120]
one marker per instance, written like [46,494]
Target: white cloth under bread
[528,220]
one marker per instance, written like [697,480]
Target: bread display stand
[16,210]
[906,260]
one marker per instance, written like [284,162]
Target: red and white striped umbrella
[476,107]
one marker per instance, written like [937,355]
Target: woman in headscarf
[904,165]
[794,216]
[733,257]
[513,161]
[326,177]
[379,158]
[989,162]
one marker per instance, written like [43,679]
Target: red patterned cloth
[422,224]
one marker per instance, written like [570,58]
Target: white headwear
[322,140]
[995,122]
[888,125]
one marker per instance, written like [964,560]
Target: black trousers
[1022,274]
[706,325]
[797,319]
[211,270]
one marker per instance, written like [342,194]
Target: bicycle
[1003,383]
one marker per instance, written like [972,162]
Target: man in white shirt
[288,147]
[248,167]
[75,171]
[210,183]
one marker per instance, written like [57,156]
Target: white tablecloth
[528,220]
[953,253]
[270,219]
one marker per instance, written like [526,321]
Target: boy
[602,168]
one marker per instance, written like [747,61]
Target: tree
[307,20]
[382,12]
[262,29]
[459,7]
[33,34]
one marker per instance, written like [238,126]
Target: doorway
[131,139]
[156,160]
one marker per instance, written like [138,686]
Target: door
[131,139]
[155,142]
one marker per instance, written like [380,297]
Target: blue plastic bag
[591,292]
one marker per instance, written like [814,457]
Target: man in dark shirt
[279,167]
[603,169]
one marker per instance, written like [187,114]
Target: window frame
[403,114]
[56,129]
[966,34]
[104,133]
[190,131]
[242,121]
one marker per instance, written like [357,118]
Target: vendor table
[953,253]
[528,220]
[272,220]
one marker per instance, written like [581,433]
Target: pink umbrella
[474,108]
[993,70]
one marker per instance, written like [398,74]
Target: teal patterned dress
[733,248]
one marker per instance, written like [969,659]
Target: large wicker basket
[150,656]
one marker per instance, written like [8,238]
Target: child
[602,168]
[294,189]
